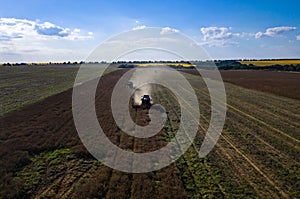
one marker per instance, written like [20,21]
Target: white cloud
[26,40]
[168,30]
[50,29]
[259,35]
[221,43]
[298,37]
[12,28]
[217,33]
[139,27]
[218,36]
[272,32]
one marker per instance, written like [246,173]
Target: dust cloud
[139,83]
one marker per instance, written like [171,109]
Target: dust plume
[139,81]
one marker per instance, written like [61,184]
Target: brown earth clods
[48,125]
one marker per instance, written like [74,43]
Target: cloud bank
[23,40]
[12,28]
[168,30]
[218,36]
[139,27]
[272,32]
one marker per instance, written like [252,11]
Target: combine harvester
[144,103]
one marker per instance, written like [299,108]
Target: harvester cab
[146,102]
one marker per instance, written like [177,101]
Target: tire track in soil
[290,144]
[105,91]
[271,182]
[44,114]
[141,186]
[43,192]
[256,168]
[282,154]
[253,118]
[120,182]
[117,180]
[163,183]
[60,181]
[267,112]
[236,99]
[229,157]
[291,123]
[279,153]
[193,146]
[273,149]
[66,193]
[227,154]
[79,178]
[123,181]
[183,157]
[237,167]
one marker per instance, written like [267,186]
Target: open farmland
[279,83]
[24,85]
[257,155]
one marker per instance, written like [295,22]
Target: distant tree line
[124,65]
[220,64]
[236,65]
[149,62]
[42,63]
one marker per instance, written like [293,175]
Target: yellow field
[166,64]
[271,62]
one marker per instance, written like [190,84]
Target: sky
[64,30]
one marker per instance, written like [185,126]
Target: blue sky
[62,30]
